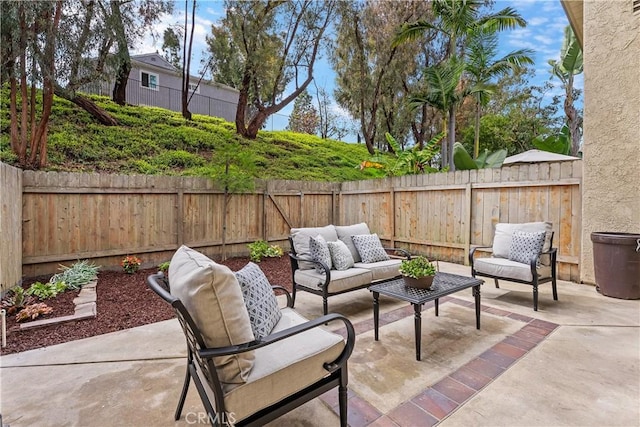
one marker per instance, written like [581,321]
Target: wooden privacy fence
[442,215]
[10,226]
[68,216]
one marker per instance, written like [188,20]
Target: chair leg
[342,398]
[183,395]
[555,289]
[325,305]
[535,297]
[496,282]
[293,296]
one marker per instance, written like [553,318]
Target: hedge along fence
[68,216]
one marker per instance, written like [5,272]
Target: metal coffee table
[443,284]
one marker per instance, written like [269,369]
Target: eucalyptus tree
[457,21]
[29,35]
[372,76]
[264,47]
[570,65]
[482,69]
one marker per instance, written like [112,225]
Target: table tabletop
[443,284]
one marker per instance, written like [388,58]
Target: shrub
[163,266]
[130,264]
[32,311]
[76,276]
[261,249]
[46,290]
[16,300]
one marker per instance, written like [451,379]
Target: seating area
[332,260]
[578,354]
[521,253]
[250,365]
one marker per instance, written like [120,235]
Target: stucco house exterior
[609,31]
[156,82]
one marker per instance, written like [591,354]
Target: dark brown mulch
[123,301]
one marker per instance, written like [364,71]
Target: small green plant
[32,311]
[261,249]
[417,267]
[76,276]
[163,266]
[130,264]
[16,300]
[46,290]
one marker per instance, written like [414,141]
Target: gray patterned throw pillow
[259,299]
[370,248]
[526,245]
[340,255]
[320,252]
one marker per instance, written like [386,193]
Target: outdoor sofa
[335,259]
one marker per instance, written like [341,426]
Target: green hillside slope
[156,141]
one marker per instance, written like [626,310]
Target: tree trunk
[256,124]
[88,105]
[572,117]
[476,136]
[119,95]
[451,137]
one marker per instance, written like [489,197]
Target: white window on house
[194,87]
[149,80]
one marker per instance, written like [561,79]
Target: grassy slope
[157,141]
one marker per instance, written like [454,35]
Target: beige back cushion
[211,294]
[346,231]
[301,241]
[504,232]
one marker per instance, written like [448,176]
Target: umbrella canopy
[536,156]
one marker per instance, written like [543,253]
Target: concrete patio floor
[575,362]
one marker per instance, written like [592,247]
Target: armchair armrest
[325,268]
[278,336]
[473,251]
[285,291]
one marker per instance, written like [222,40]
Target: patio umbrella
[536,156]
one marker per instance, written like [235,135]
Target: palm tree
[457,20]
[442,81]
[482,69]
[570,64]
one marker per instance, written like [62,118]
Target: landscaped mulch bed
[123,301]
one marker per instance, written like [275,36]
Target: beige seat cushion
[346,231]
[382,270]
[340,280]
[506,268]
[212,296]
[283,368]
[300,237]
[504,233]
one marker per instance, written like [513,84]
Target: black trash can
[616,259]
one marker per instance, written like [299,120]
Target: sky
[544,33]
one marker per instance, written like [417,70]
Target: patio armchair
[521,253]
[242,377]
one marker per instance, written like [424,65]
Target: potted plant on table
[418,272]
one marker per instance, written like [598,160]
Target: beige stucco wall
[611,176]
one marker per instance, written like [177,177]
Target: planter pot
[422,283]
[616,261]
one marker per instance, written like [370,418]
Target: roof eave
[574,9]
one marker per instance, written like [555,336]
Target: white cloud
[537,21]
[545,39]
